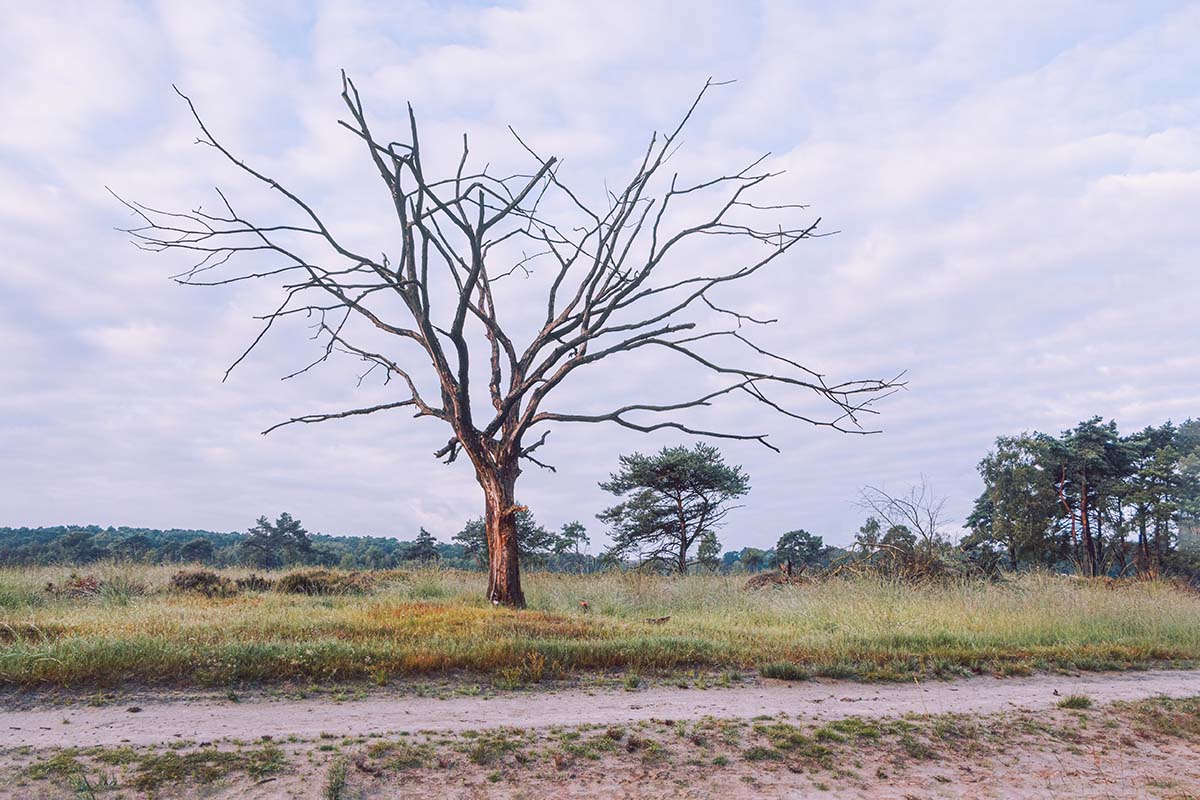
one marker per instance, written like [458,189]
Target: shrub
[76,586]
[323,581]
[255,583]
[201,581]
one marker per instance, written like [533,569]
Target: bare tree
[918,509]
[618,286]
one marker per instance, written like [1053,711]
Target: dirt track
[163,722]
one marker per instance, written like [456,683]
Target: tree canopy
[270,544]
[800,548]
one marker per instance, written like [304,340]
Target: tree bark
[500,523]
[681,560]
[1089,547]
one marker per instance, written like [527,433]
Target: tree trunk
[1089,547]
[681,562]
[1143,557]
[500,523]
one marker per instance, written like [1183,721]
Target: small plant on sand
[1075,701]
[757,753]
[335,780]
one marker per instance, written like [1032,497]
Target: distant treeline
[84,544]
[1089,500]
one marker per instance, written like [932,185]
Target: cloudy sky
[1016,188]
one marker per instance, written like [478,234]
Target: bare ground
[212,719]
[979,737]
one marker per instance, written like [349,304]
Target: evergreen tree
[1016,511]
[800,548]
[676,499]
[272,545]
[423,549]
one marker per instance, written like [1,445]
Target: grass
[783,671]
[1075,701]
[432,622]
[844,749]
[335,780]
[151,770]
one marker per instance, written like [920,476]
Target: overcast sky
[1016,186]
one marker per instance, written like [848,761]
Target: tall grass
[431,622]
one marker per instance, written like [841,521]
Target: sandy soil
[975,738]
[211,720]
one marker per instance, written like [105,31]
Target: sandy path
[211,720]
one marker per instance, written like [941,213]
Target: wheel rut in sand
[211,720]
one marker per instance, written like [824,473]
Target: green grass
[783,671]
[335,780]
[1075,701]
[432,622]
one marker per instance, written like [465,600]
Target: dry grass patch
[398,623]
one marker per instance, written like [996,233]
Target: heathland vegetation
[122,623]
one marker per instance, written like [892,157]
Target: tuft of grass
[204,766]
[783,671]
[1075,701]
[61,764]
[792,739]
[335,780]
[916,748]
[757,753]
[844,730]
[490,746]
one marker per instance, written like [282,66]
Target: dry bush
[254,583]
[200,581]
[323,581]
[76,587]
[768,580]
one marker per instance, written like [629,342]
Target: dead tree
[614,287]
[919,510]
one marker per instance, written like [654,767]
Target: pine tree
[423,548]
